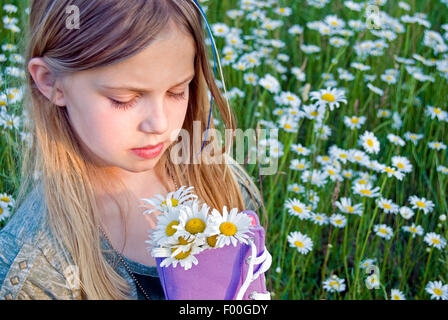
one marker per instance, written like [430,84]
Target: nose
[154,119]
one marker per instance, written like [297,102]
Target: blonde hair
[111,31]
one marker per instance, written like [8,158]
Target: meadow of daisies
[357,93]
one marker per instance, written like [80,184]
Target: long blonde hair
[111,31]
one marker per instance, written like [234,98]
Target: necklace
[121,257]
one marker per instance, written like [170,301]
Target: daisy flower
[406,212]
[366,263]
[319,218]
[173,199]
[437,290]
[300,150]
[391,172]
[369,142]
[354,121]
[331,97]
[338,220]
[164,232]
[421,204]
[396,294]
[4,213]
[437,145]
[396,140]
[195,223]
[334,284]
[383,231]
[300,241]
[297,208]
[6,200]
[372,281]
[366,190]
[231,227]
[296,188]
[270,83]
[299,164]
[413,229]
[435,240]
[173,257]
[345,205]
[388,205]
[402,163]
[414,137]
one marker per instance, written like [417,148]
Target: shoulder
[251,195]
[28,265]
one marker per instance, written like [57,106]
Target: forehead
[166,61]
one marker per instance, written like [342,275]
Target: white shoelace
[266,260]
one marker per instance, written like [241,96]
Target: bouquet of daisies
[186,228]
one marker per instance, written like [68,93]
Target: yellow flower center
[437,110]
[350,209]
[288,126]
[334,283]
[1,210]
[396,297]
[328,97]
[195,225]
[414,230]
[400,165]
[298,244]
[437,291]
[5,199]
[181,255]
[290,98]
[298,209]
[435,241]
[421,204]
[212,240]
[387,206]
[169,228]
[370,142]
[174,202]
[314,113]
[11,96]
[383,231]
[227,228]
[366,191]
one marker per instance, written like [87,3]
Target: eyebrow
[144,89]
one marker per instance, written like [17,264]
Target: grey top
[30,260]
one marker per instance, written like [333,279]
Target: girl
[130,77]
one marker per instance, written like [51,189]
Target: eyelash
[127,105]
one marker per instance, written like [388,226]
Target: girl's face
[152,88]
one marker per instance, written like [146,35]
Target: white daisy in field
[288,123]
[360,66]
[346,206]
[330,97]
[359,156]
[319,218]
[347,173]
[6,200]
[182,196]
[288,99]
[442,169]
[334,284]
[435,240]
[369,142]
[437,290]
[421,204]
[300,150]
[322,131]
[391,172]
[366,190]
[435,112]
[366,263]
[406,212]
[220,29]
[314,112]
[231,227]
[297,208]
[250,78]
[437,145]
[396,140]
[5,212]
[414,137]
[300,241]
[316,177]
[402,163]
[413,230]
[354,121]
[295,187]
[389,78]
[396,294]
[383,231]
[299,164]
[333,173]
[375,89]
[372,281]
[338,220]
[295,29]
[270,83]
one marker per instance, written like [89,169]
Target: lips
[150,151]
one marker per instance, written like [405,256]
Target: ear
[45,81]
